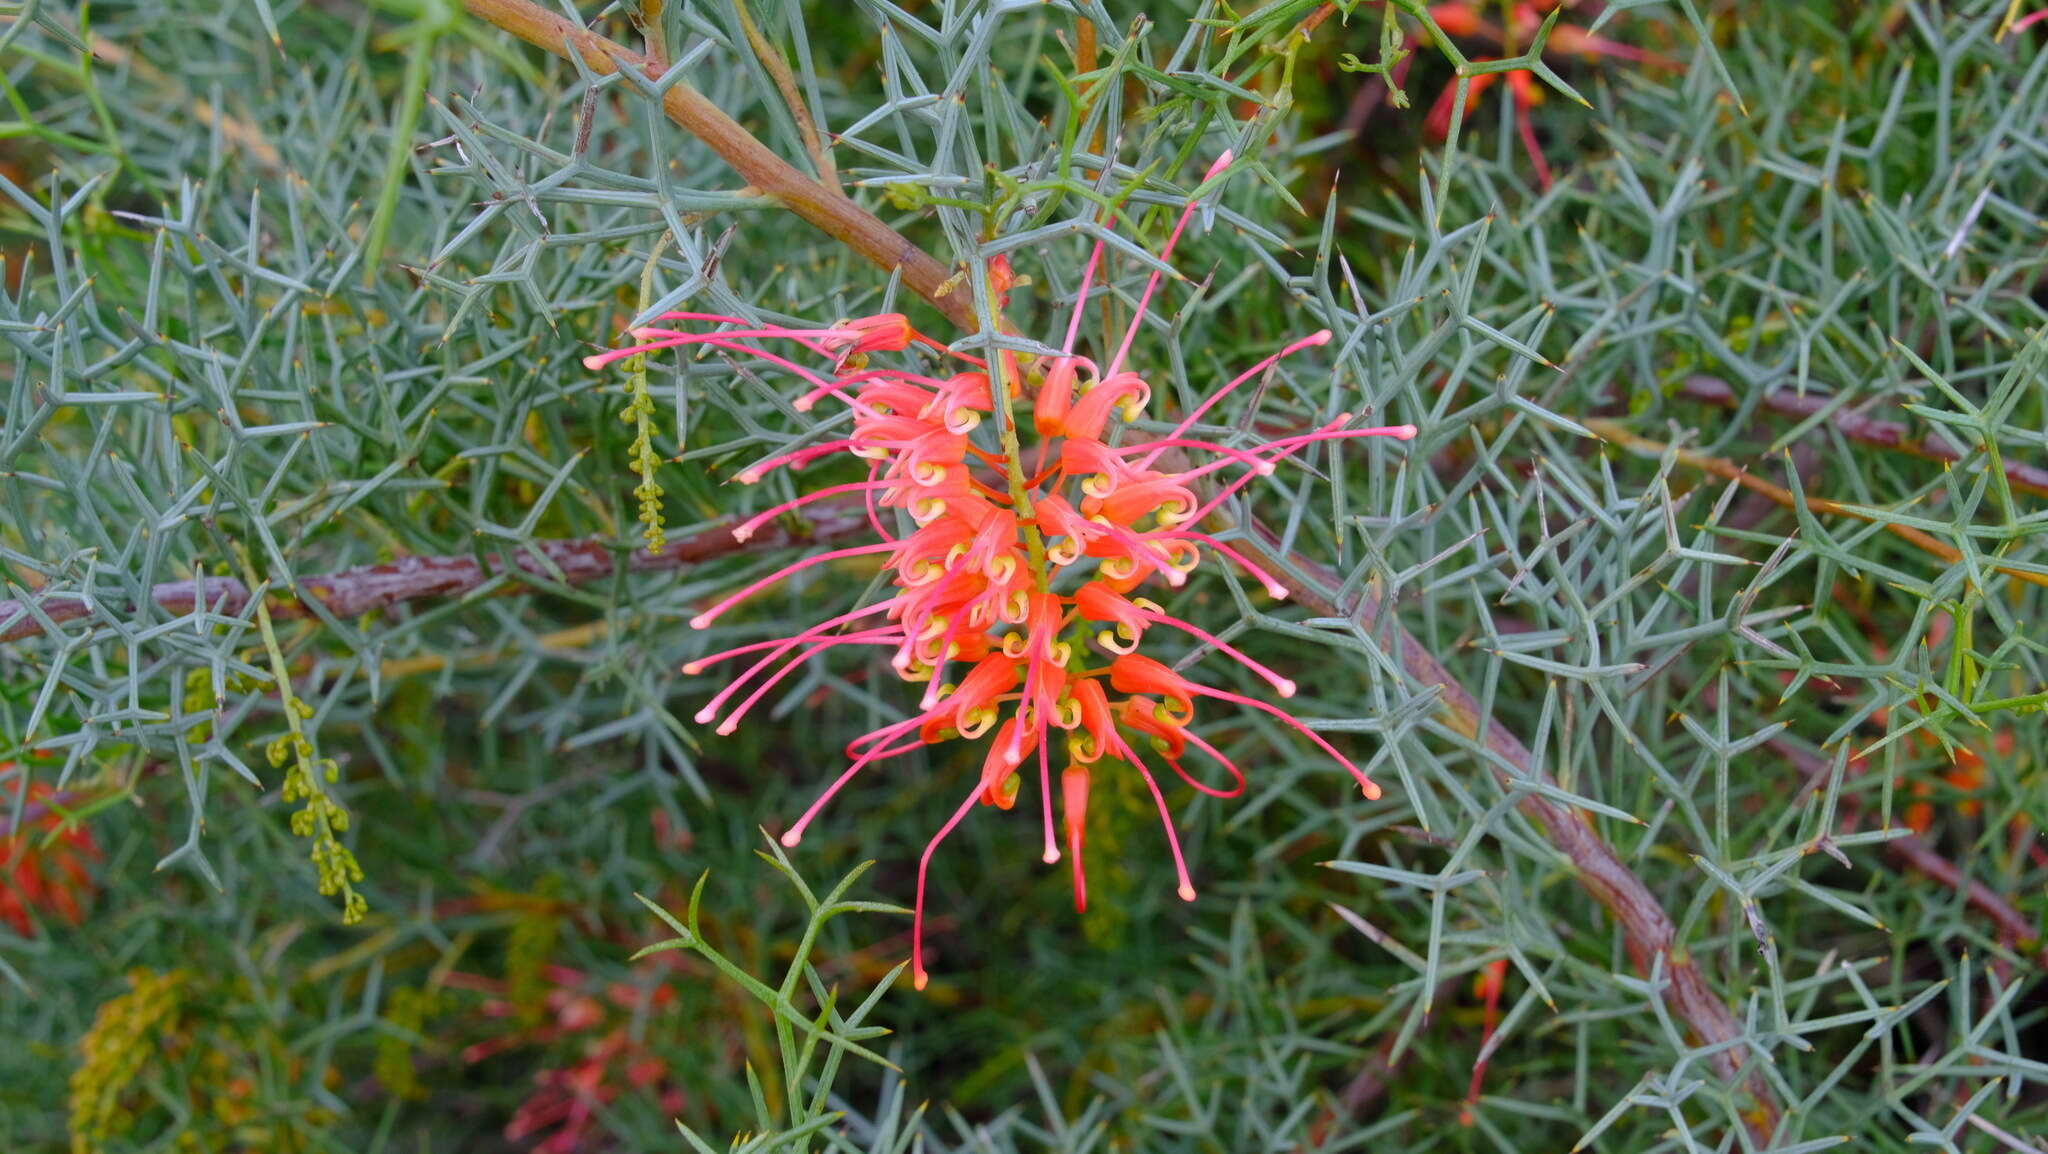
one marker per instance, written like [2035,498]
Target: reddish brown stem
[1647,930]
[1614,432]
[785,82]
[1856,426]
[835,215]
[1915,853]
[353,592]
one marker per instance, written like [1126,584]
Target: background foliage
[294,288]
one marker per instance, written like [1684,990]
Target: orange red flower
[1012,597]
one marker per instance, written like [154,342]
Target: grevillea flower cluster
[1020,576]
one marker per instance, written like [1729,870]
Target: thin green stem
[1013,472]
[412,100]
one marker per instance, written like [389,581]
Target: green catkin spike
[321,819]
[639,412]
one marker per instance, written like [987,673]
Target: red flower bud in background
[42,866]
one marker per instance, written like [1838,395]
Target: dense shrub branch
[365,588]
[819,204]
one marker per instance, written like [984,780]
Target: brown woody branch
[1857,427]
[354,592]
[820,205]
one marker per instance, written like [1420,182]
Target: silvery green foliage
[211,374]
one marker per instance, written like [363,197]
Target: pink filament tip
[1052,849]
[1187,893]
[920,977]
[790,839]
